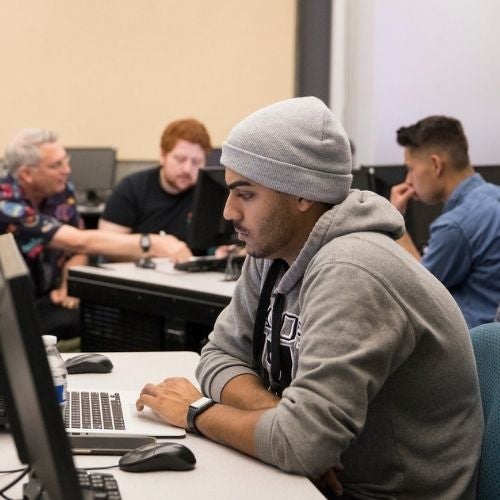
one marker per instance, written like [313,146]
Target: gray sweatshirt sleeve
[229,350]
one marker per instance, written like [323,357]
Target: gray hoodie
[383,373]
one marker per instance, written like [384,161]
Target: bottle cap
[49,340]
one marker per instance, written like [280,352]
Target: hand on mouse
[169,399]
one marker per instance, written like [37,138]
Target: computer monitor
[360,180]
[418,216]
[490,173]
[92,173]
[213,159]
[207,227]
[381,178]
[26,382]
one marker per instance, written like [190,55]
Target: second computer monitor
[360,180]
[490,173]
[92,172]
[207,226]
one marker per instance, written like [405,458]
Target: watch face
[145,242]
[200,402]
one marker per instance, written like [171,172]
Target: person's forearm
[407,243]
[74,260]
[171,398]
[59,296]
[113,245]
[230,426]
[97,242]
[246,392]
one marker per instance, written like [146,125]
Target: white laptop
[105,412]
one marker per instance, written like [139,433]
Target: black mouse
[89,362]
[158,456]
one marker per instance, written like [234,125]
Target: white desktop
[220,473]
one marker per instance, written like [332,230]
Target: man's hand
[401,195]
[60,297]
[170,399]
[171,247]
[224,251]
[329,479]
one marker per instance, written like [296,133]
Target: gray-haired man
[338,349]
[38,206]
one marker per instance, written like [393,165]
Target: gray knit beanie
[295,146]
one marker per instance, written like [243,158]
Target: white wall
[404,60]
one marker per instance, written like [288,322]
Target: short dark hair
[437,131]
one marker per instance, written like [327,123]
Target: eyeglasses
[57,165]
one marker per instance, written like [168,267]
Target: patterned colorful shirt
[33,228]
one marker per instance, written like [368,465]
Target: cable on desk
[12,483]
[100,468]
[11,471]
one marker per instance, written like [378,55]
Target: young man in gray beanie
[338,350]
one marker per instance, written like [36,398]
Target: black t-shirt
[140,203]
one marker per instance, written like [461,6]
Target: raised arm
[116,245]
[401,194]
[105,225]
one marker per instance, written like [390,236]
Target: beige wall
[114,72]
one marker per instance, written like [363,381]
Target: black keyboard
[98,486]
[207,263]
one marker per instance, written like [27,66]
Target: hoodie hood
[361,211]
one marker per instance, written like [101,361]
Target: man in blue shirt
[464,245]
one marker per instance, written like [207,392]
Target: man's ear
[24,174]
[304,205]
[438,162]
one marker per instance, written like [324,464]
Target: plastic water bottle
[57,368]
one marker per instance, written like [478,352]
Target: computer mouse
[158,456]
[89,362]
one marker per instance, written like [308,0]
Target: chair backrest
[486,343]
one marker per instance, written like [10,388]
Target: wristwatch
[145,242]
[196,408]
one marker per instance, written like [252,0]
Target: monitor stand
[33,489]
[92,200]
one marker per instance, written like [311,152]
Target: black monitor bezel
[490,173]
[207,227]
[34,413]
[360,180]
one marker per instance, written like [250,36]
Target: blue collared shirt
[464,249]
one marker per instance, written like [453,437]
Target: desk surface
[164,275]
[220,473]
